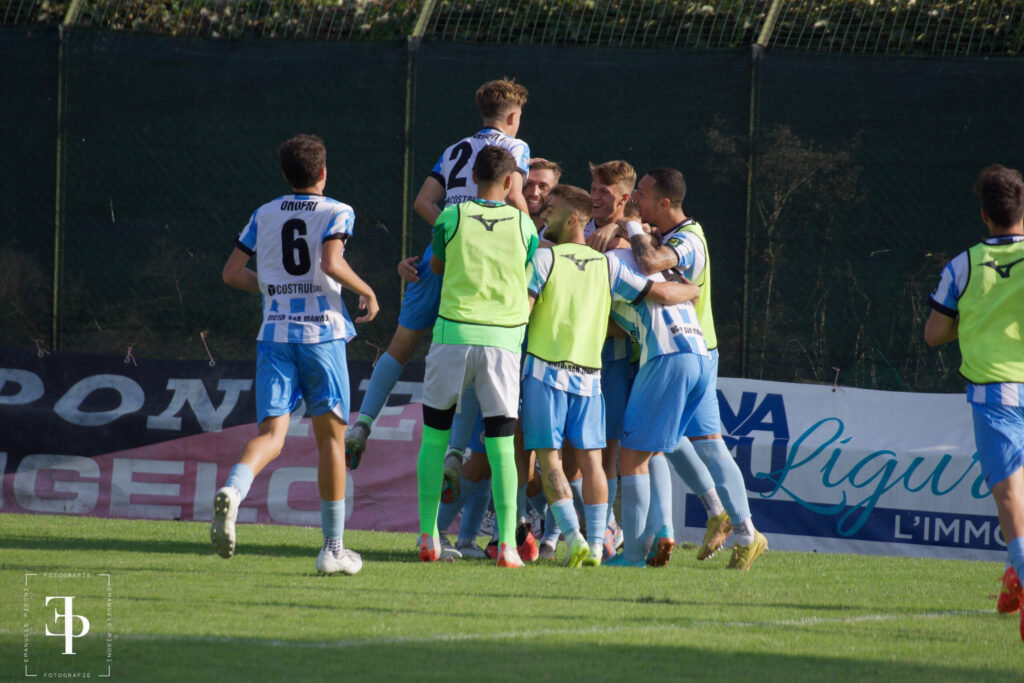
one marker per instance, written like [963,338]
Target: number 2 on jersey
[463,151]
[294,250]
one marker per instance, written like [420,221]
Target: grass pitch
[178,612]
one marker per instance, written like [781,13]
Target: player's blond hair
[539,164]
[495,98]
[615,172]
[577,198]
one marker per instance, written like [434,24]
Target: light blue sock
[690,468]
[241,477]
[596,516]
[465,419]
[727,477]
[447,511]
[551,530]
[474,510]
[660,514]
[565,516]
[613,490]
[1015,553]
[539,503]
[383,379]
[332,518]
[636,500]
[577,495]
[521,503]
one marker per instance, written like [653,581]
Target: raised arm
[650,257]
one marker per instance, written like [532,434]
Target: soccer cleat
[508,557]
[452,476]
[619,560]
[612,540]
[661,549]
[577,550]
[225,513]
[471,549]
[430,548]
[1010,595]
[526,543]
[593,559]
[448,551]
[355,443]
[492,549]
[346,561]
[546,551]
[718,529]
[744,555]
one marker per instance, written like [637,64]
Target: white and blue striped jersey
[454,170]
[689,249]
[946,298]
[301,303]
[661,330]
[626,285]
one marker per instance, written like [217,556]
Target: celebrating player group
[573,355]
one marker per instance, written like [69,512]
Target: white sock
[743,532]
[712,503]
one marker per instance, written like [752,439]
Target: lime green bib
[992,314]
[704,315]
[485,268]
[570,317]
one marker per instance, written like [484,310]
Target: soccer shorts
[999,436]
[317,373]
[450,368]
[422,298]
[707,419]
[550,415]
[665,395]
[616,379]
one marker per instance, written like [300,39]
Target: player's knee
[436,418]
[499,425]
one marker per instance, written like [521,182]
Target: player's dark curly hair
[302,157]
[492,163]
[1001,191]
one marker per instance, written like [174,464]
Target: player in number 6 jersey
[299,244]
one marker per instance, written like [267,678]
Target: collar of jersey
[1004,239]
[298,196]
[487,202]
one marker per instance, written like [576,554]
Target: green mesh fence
[831,172]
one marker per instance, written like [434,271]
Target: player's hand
[368,304]
[602,239]
[407,269]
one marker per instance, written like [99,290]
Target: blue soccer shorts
[616,379]
[549,416]
[999,435]
[665,395]
[707,419]
[422,299]
[317,373]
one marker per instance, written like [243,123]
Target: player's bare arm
[333,263]
[940,328]
[604,238]
[237,274]
[515,194]
[430,194]
[436,265]
[671,293]
[407,269]
[650,257]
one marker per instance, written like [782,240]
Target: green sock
[501,454]
[429,475]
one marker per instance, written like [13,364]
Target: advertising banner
[827,469]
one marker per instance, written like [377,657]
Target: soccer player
[674,367]
[482,249]
[543,176]
[980,301]
[299,244]
[501,107]
[707,467]
[572,287]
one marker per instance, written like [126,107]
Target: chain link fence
[829,149]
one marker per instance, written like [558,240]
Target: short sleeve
[626,284]
[246,240]
[539,270]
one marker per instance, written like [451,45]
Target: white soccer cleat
[576,550]
[472,550]
[345,561]
[448,552]
[225,513]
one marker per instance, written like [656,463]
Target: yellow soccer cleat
[718,530]
[744,555]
